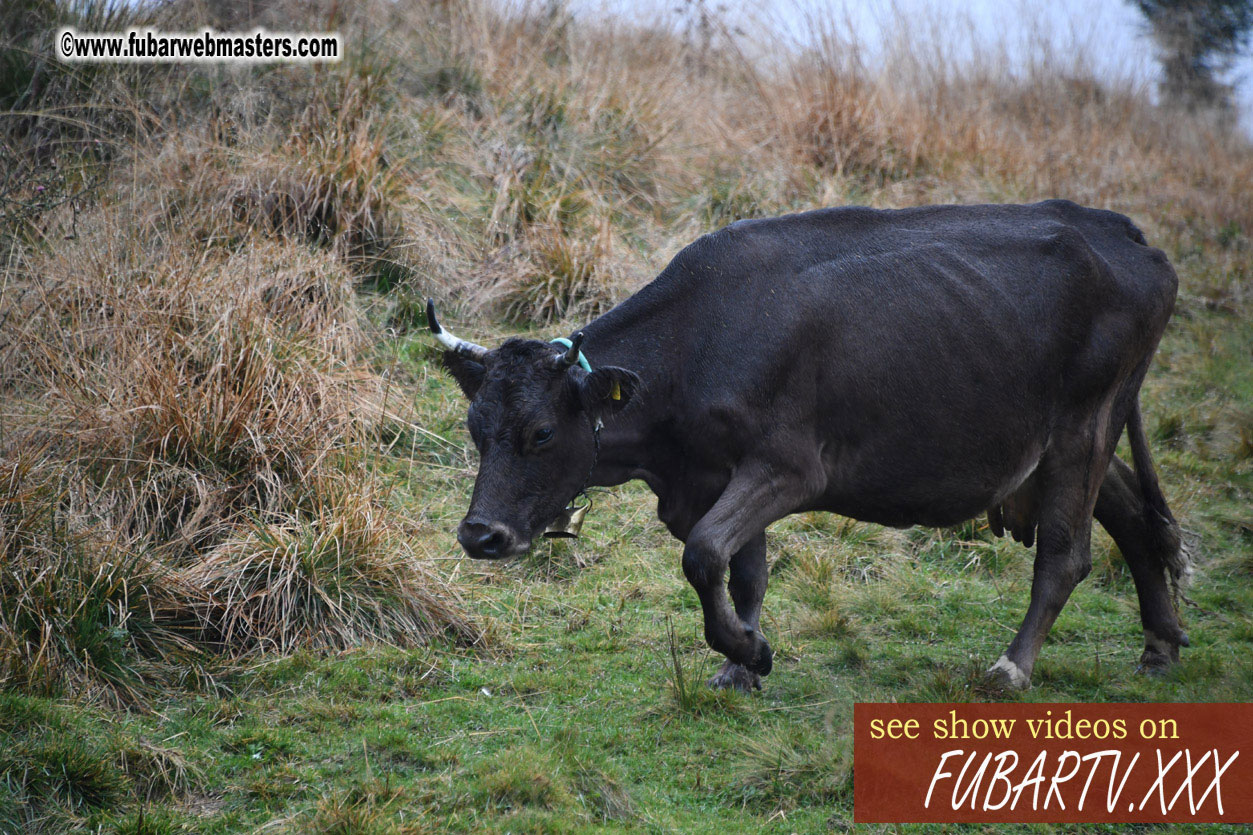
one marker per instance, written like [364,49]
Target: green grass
[576,719]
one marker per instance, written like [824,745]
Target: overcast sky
[1108,36]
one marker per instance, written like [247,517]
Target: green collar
[567,344]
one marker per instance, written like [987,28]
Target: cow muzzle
[489,540]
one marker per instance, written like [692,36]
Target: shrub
[331,577]
[183,458]
[78,609]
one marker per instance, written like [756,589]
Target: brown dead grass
[565,128]
[190,405]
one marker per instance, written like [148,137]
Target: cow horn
[571,356]
[452,343]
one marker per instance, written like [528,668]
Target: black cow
[912,367]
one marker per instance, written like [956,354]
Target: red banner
[1036,763]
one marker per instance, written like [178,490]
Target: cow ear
[468,373]
[607,390]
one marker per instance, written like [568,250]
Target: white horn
[452,343]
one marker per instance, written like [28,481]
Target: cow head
[535,415]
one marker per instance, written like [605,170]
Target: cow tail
[1164,531]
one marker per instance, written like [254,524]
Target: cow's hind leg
[1070,476]
[749,575]
[1151,545]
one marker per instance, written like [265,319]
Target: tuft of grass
[333,179]
[829,622]
[690,694]
[332,578]
[526,777]
[682,687]
[368,808]
[190,420]
[964,682]
[603,793]
[559,278]
[156,772]
[782,770]
[146,822]
[59,766]
[63,772]
[80,610]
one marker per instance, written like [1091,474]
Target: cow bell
[570,521]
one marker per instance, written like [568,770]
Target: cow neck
[622,338]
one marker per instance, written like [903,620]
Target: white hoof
[1009,673]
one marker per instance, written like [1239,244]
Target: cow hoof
[1008,675]
[763,658]
[1154,663]
[1160,654]
[734,676]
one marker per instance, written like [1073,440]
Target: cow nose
[486,540]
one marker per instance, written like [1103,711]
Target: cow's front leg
[705,568]
[757,496]
[749,574]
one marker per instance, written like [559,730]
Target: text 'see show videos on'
[1055,763]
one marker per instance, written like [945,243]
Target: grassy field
[231,469]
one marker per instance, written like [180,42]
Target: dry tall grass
[199,264]
[191,399]
[592,150]
[186,443]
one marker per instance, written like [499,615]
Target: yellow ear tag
[616,393]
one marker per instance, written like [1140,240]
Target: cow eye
[543,436]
